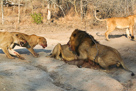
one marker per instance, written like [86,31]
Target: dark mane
[86,35]
[82,36]
[94,41]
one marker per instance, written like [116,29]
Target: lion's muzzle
[44,45]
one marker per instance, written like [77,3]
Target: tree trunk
[43,4]
[2,12]
[25,6]
[81,7]
[126,7]
[75,7]
[18,11]
[48,10]
[32,6]
[132,5]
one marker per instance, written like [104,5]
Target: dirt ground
[48,74]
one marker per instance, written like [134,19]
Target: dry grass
[72,18]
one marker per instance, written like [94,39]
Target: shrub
[37,18]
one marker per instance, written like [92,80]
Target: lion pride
[86,47]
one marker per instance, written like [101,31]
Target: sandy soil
[48,74]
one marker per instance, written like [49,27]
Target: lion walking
[119,22]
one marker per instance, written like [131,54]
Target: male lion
[87,47]
[33,40]
[63,52]
[119,22]
[7,41]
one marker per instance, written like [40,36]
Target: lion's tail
[122,63]
[98,18]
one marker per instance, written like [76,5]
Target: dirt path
[48,74]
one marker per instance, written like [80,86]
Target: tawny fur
[33,40]
[7,41]
[64,53]
[87,48]
[119,22]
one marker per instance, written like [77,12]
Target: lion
[8,40]
[119,22]
[64,53]
[86,47]
[33,40]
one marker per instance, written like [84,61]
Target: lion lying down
[86,47]
[7,41]
[33,40]
[63,52]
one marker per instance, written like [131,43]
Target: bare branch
[59,7]
[18,11]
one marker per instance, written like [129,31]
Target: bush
[37,18]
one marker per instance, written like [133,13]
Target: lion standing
[33,40]
[8,40]
[119,22]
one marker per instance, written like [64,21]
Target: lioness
[119,22]
[63,52]
[87,47]
[7,41]
[33,40]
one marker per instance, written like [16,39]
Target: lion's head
[42,41]
[78,37]
[19,39]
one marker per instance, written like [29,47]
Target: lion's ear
[76,29]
